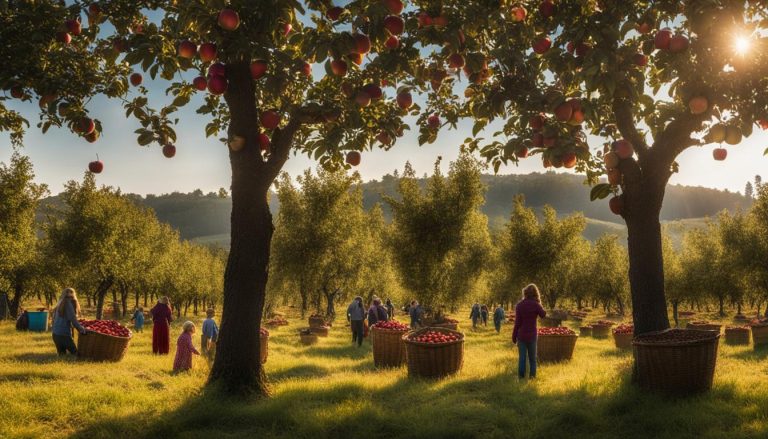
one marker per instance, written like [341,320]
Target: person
[210,334]
[185,348]
[64,318]
[138,319]
[414,312]
[355,317]
[524,332]
[484,314]
[377,313]
[162,317]
[474,314]
[390,308]
[22,323]
[498,318]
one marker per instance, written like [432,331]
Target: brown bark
[101,291]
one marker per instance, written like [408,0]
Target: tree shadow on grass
[616,353]
[757,354]
[44,358]
[28,377]
[301,371]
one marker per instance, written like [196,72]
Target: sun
[741,45]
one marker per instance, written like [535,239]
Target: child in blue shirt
[138,319]
[210,334]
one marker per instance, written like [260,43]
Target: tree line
[99,241]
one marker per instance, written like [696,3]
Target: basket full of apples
[737,335]
[276,322]
[105,340]
[623,335]
[601,328]
[704,325]
[555,344]
[388,345]
[434,352]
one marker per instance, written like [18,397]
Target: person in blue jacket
[475,314]
[64,319]
[498,318]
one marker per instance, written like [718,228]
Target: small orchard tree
[655,78]
[439,238]
[610,272]
[260,62]
[18,232]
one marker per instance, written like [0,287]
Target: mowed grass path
[332,390]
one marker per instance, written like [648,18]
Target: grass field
[332,390]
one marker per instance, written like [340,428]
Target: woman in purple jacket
[524,334]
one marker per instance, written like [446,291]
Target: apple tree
[653,78]
[259,64]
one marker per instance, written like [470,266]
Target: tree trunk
[646,268]
[186,307]
[194,306]
[303,294]
[137,295]
[145,299]
[721,306]
[14,304]
[101,292]
[124,298]
[738,308]
[675,305]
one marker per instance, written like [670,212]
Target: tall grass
[332,390]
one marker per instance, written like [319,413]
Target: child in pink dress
[185,349]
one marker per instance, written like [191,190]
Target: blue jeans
[526,349]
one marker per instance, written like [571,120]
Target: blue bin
[38,321]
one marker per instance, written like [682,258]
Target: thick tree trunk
[101,292]
[646,268]
[14,304]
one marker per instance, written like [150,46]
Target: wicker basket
[705,327]
[737,336]
[102,347]
[623,340]
[434,360]
[388,347]
[585,331]
[315,322]
[308,339]
[601,331]
[555,348]
[263,347]
[550,322]
[760,335]
[320,331]
[681,367]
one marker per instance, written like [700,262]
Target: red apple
[440,21]
[547,8]
[136,79]
[17,92]
[96,166]
[86,126]
[563,112]
[63,37]
[334,13]
[339,67]
[264,142]
[577,117]
[73,27]
[305,68]
[169,150]
[217,85]
[287,28]
[518,13]
[269,119]
[663,39]
[616,204]
[374,91]
[424,19]
[363,99]
[678,43]
[720,154]
[433,122]
[404,100]
[640,59]
[258,68]
[218,69]
[394,6]
[229,19]
[200,83]
[392,42]
[536,122]
[353,158]
[356,58]
[569,160]
[456,61]
[94,136]
[362,43]
[582,49]
[623,148]
[384,138]
[542,45]
[570,47]
[698,104]
[643,28]
[394,24]
[538,140]
[187,49]
[521,153]
[207,52]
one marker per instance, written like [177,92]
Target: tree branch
[676,138]
[625,121]
[282,141]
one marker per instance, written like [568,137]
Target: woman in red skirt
[161,318]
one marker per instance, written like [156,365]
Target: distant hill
[205,217]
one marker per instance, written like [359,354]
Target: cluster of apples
[277,321]
[603,323]
[106,327]
[559,330]
[546,9]
[70,28]
[392,325]
[624,328]
[664,40]
[435,337]
[621,149]
[719,133]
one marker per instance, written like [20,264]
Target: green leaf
[180,101]
[600,191]
[145,138]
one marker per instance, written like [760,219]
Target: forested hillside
[205,217]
